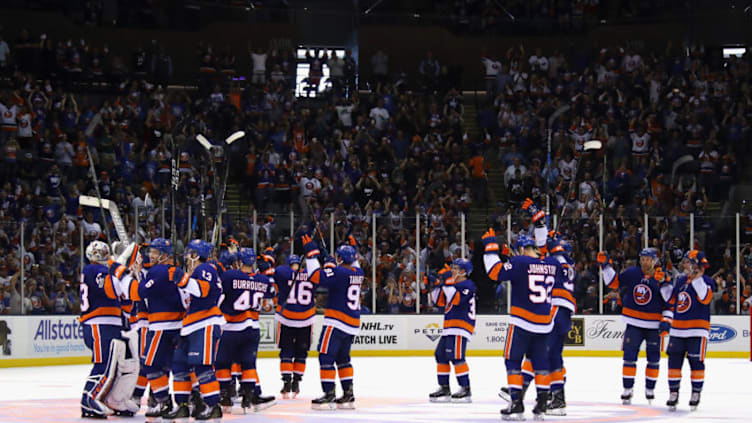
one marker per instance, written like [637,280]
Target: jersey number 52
[540,287]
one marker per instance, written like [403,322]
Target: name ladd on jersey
[49,329]
[541,269]
[246,284]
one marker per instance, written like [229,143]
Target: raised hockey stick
[99,195]
[89,201]
[588,146]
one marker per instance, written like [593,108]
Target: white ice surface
[395,389]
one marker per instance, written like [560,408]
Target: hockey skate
[178,415]
[443,394]
[197,404]
[694,400]
[156,410]
[515,411]
[541,405]
[557,406]
[225,401]
[463,395]
[505,395]
[259,402]
[295,387]
[94,409]
[347,400]
[210,414]
[650,395]
[626,397]
[673,399]
[325,402]
[286,391]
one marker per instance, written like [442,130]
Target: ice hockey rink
[395,389]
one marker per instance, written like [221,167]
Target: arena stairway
[477,219]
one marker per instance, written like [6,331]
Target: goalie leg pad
[125,368]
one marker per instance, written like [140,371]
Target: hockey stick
[86,200]
[99,195]
[588,146]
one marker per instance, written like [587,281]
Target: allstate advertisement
[23,337]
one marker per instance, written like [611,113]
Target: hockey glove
[536,214]
[664,327]
[490,244]
[603,259]
[310,248]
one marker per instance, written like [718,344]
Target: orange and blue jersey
[159,292]
[643,305]
[563,293]
[205,289]
[532,280]
[690,306]
[98,306]
[343,303]
[295,306]
[458,300]
[243,294]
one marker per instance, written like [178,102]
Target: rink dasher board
[49,340]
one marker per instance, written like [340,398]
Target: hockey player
[244,290]
[532,279]
[644,291]
[101,318]
[341,321]
[690,326]
[295,312]
[457,295]
[165,312]
[199,335]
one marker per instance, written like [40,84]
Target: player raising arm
[341,320]
[532,280]
[644,290]
[690,327]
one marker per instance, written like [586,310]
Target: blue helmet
[561,247]
[162,245]
[264,262]
[697,258]
[202,248]
[649,252]
[347,253]
[227,258]
[524,241]
[293,259]
[463,264]
[247,256]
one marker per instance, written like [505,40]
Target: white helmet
[97,252]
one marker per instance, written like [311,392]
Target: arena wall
[53,340]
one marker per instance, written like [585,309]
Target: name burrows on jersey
[205,289]
[642,303]
[159,292]
[243,295]
[532,280]
[99,305]
[690,306]
[458,300]
[343,303]
[563,293]
[296,306]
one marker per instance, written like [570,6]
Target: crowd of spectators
[389,153]
[675,129]
[395,151]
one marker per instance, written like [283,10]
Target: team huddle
[150,323]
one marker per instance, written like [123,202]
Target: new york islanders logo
[684,302]
[642,294]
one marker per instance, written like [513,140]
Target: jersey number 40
[244,301]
